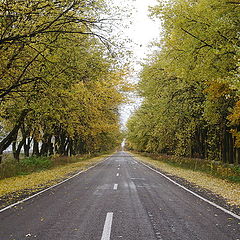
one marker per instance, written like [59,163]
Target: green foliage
[60,82]
[190,86]
[39,163]
[11,168]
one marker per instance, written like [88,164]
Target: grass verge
[13,168]
[228,190]
[225,171]
[13,188]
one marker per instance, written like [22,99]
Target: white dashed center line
[117,174]
[115,186]
[107,227]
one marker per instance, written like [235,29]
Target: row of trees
[190,87]
[60,85]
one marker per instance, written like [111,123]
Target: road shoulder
[221,192]
[15,189]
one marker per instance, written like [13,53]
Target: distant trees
[59,86]
[191,86]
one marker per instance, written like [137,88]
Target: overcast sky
[142,32]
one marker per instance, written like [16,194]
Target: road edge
[186,189]
[51,187]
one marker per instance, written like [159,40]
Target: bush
[11,168]
[36,163]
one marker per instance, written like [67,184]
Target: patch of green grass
[235,179]
[36,163]
[35,180]
[12,168]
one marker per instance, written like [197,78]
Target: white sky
[142,32]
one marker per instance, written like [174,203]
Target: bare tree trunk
[27,146]
[12,136]
[50,146]
[18,150]
[14,148]
[44,147]
[35,148]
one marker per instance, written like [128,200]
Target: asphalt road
[118,199]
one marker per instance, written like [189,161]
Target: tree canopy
[191,85]
[60,84]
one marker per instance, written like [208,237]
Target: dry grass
[229,191]
[43,178]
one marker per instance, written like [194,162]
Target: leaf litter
[223,188]
[16,188]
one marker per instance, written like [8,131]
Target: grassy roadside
[14,187]
[25,166]
[228,190]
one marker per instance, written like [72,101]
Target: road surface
[118,199]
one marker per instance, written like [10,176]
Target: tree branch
[206,44]
[233,2]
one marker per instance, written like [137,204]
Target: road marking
[115,186]
[117,174]
[53,186]
[193,193]
[107,227]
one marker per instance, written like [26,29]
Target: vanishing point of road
[119,199]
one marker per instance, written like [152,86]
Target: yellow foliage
[44,178]
[229,191]
[217,90]
[235,116]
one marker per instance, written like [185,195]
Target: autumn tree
[192,82]
[56,63]
[28,30]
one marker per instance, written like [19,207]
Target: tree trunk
[50,146]
[12,136]
[44,147]
[27,146]
[66,147]
[18,150]
[231,149]
[62,144]
[70,147]
[35,148]
[14,148]
[56,144]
